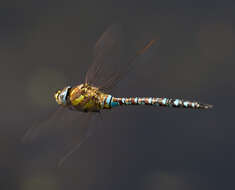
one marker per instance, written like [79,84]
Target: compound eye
[62,97]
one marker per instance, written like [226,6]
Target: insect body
[88,98]
[107,70]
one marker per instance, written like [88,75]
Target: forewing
[57,134]
[107,54]
[111,62]
[38,128]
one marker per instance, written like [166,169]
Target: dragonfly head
[61,96]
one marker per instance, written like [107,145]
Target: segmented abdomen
[157,101]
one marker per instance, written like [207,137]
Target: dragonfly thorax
[83,97]
[86,98]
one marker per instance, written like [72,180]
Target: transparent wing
[87,133]
[34,131]
[60,123]
[56,135]
[111,62]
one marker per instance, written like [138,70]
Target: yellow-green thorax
[87,98]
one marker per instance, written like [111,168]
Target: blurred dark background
[45,45]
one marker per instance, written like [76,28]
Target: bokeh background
[45,45]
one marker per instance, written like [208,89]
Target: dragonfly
[94,94]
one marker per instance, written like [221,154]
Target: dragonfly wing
[121,72]
[110,62]
[107,53]
[57,134]
[34,131]
[88,132]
